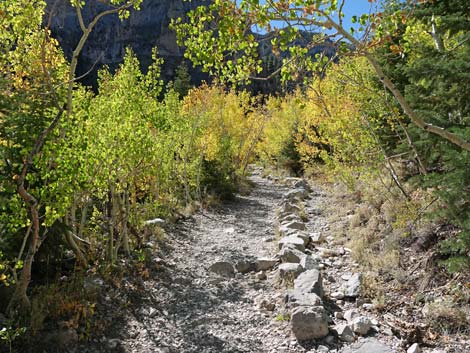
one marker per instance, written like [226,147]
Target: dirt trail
[183,307]
[187,308]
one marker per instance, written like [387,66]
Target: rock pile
[299,267]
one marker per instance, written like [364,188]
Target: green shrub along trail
[381,114]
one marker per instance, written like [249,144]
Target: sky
[351,8]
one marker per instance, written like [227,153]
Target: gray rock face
[370,345]
[142,31]
[353,286]
[295,298]
[223,268]
[310,282]
[309,322]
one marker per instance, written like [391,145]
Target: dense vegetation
[81,172]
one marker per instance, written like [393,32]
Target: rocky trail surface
[237,279]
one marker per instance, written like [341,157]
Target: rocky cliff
[142,31]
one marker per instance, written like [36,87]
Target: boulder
[353,286]
[265,263]
[361,325]
[309,322]
[292,240]
[295,298]
[223,268]
[309,282]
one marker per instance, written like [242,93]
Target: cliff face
[142,31]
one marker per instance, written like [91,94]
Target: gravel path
[187,308]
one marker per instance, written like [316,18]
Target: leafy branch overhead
[222,38]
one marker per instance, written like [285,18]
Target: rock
[155,221]
[301,184]
[261,276]
[289,217]
[309,263]
[297,242]
[295,298]
[351,314]
[414,348]
[368,306]
[298,193]
[345,333]
[370,345]
[353,286]
[285,227]
[302,235]
[339,315]
[337,295]
[289,271]
[288,207]
[361,325]
[290,254]
[317,238]
[245,266]
[309,322]
[142,31]
[265,263]
[309,282]
[223,268]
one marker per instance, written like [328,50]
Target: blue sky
[351,8]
